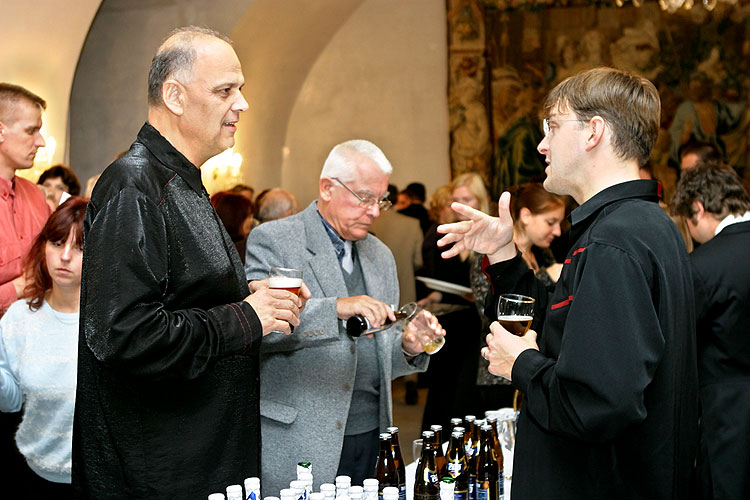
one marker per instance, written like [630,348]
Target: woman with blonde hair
[451,376]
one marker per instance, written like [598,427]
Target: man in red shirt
[23,210]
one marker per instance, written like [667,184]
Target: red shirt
[23,212]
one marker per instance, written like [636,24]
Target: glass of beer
[424,324]
[285,278]
[515,312]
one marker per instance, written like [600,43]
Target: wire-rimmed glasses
[369,201]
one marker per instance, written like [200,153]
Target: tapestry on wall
[504,56]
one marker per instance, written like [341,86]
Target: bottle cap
[297,484]
[234,492]
[436,428]
[390,493]
[371,484]
[356,492]
[216,496]
[252,483]
[317,496]
[327,487]
[470,418]
[287,493]
[344,480]
[428,434]
[271,498]
[392,429]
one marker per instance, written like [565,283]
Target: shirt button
[347,387]
[339,425]
[352,349]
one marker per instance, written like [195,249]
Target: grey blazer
[307,377]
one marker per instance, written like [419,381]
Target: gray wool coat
[307,377]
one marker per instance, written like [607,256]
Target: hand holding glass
[424,325]
[285,279]
[515,312]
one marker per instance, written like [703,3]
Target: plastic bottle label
[472,488]
[462,495]
[402,492]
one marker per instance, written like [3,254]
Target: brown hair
[629,104]
[10,94]
[66,175]
[441,197]
[68,215]
[535,198]
[716,186]
[232,209]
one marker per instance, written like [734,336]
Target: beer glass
[515,312]
[423,323]
[284,278]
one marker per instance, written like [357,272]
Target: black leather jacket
[167,400]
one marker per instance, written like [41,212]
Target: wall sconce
[222,171]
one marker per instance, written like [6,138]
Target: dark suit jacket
[721,276]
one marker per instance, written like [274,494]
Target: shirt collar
[7,187]
[643,189]
[161,148]
[732,219]
[336,239]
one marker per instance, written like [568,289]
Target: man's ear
[324,186]
[699,211]
[2,132]
[597,132]
[173,96]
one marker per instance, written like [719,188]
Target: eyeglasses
[545,124]
[369,201]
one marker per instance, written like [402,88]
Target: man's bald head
[175,58]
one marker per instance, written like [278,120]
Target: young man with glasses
[324,395]
[610,408]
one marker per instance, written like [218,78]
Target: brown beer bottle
[492,421]
[489,486]
[426,478]
[437,442]
[385,468]
[471,447]
[456,422]
[398,461]
[456,466]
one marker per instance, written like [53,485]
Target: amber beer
[285,278]
[292,285]
[517,325]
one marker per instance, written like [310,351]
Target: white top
[38,360]
[731,219]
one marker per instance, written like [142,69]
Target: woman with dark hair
[236,213]
[38,352]
[57,180]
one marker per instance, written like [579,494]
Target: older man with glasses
[325,396]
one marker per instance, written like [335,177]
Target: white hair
[344,158]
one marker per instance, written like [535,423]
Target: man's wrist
[505,253]
[407,353]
